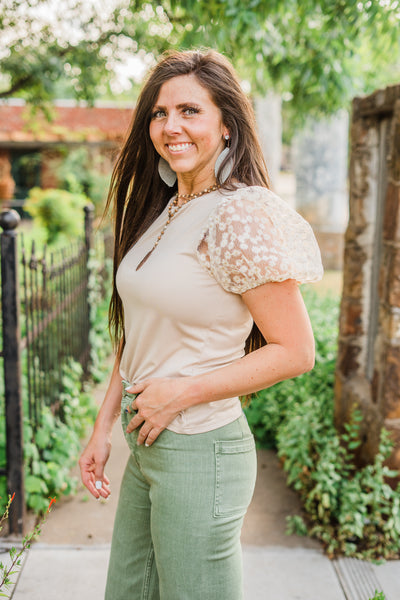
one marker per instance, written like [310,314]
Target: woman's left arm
[280,314]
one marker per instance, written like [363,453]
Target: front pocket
[126,417]
[235,476]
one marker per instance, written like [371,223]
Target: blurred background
[70,73]
[319,73]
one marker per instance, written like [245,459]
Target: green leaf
[34,484]
[42,437]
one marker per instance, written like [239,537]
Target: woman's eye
[158,114]
[191,110]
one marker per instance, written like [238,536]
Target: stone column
[387,371]
[368,366]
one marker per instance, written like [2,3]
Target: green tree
[316,53]
[68,49]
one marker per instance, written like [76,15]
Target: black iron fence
[45,319]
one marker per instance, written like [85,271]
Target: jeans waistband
[127,396]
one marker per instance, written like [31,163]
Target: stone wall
[368,367]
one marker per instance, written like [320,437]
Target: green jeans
[180,512]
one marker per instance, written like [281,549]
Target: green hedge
[353,511]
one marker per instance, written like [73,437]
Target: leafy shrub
[268,409]
[99,336]
[59,212]
[79,173]
[53,449]
[353,511]
[9,571]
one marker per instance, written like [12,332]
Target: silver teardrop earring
[166,173]
[227,170]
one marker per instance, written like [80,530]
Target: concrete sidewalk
[70,559]
[54,572]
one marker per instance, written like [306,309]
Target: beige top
[183,311]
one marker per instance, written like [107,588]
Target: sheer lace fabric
[254,237]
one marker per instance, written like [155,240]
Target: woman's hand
[92,462]
[158,402]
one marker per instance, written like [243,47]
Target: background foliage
[354,511]
[52,448]
[58,212]
[78,173]
[316,53]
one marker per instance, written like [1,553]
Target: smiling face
[186,129]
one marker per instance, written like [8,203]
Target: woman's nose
[172,124]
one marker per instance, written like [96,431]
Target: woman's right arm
[96,453]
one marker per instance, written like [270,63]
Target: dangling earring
[166,173]
[227,170]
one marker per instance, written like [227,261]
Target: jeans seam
[217,481]
[147,573]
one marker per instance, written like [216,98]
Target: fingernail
[146,444]
[99,485]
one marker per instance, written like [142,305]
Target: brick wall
[100,129]
[68,124]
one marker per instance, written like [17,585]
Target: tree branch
[17,86]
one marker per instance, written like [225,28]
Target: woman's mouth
[182,147]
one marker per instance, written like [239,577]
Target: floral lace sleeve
[254,237]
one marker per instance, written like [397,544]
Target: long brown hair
[137,193]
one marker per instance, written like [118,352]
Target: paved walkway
[70,559]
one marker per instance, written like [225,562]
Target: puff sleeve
[254,237]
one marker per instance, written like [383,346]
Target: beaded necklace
[173,208]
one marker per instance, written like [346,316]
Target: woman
[206,257]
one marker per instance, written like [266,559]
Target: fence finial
[9,219]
